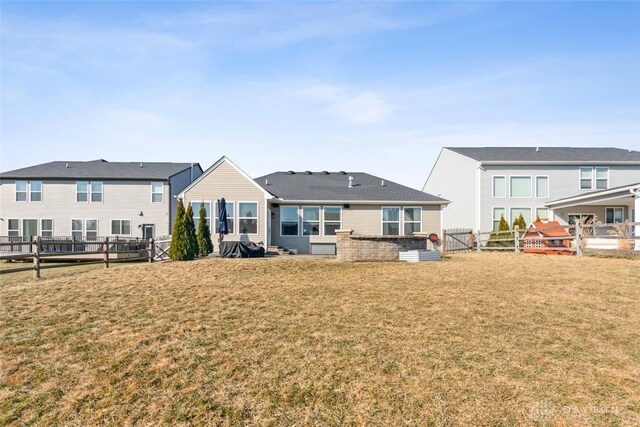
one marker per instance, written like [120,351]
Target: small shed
[547,237]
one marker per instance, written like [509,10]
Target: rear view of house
[301,211]
[91,199]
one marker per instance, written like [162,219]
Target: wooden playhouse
[547,237]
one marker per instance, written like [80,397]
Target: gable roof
[334,187]
[602,155]
[547,229]
[100,169]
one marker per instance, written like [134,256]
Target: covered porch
[605,207]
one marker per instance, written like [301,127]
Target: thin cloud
[357,107]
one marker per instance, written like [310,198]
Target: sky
[376,87]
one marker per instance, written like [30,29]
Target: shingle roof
[99,169]
[334,186]
[548,154]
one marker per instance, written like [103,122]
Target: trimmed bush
[205,245]
[180,249]
[496,240]
[192,240]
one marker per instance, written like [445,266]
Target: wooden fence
[457,240]
[577,234]
[70,251]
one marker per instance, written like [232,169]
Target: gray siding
[121,200]
[362,219]
[453,177]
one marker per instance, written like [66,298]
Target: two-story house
[557,183]
[93,198]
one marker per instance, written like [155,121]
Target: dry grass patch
[542,340]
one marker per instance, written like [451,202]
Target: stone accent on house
[355,247]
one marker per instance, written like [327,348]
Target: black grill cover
[240,250]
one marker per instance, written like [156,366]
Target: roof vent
[537,149]
[67,166]
[266,182]
[291,172]
[382,182]
[308,172]
[350,182]
[140,164]
[327,173]
[342,173]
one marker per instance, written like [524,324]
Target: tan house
[90,199]
[300,211]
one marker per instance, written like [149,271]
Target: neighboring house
[547,237]
[91,199]
[556,183]
[302,210]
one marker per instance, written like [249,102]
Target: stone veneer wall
[352,247]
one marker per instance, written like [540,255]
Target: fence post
[151,251]
[444,242]
[36,258]
[105,250]
[471,240]
[579,238]
[516,239]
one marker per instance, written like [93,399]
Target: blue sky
[360,86]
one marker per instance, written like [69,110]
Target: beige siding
[226,181]
[121,200]
[362,219]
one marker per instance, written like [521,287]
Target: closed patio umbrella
[222,219]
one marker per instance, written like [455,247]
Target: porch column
[636,216]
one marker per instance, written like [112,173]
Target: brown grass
[539,340]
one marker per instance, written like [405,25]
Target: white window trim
[302,221]
[324,220]
[29,219]
[399,221]
[152,193]
[531,185]
[411,222]
[42,228]
[299,220]
[593,176]
[121,234]
[505,213]
[19,227]
[580,215]
[88,192]
[26,191]
[214,206]
[91,192]
[29,192]
[521,208]
[542,207]
[257,217]
[97,226]
[71,226]
[536,186]
[614,213]
[493,186]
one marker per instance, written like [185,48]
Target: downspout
[636,216]
[478,197]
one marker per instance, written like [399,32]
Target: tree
[192,240]
[499,238]
[520,222]
[503,225]
[205,245]
[180,249]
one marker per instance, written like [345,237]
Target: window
[289,221]
[21,191]
[46,227]
[91,227]
[499,187]
[614,215]
[390,221]
[526,213]
[157,192]
[14,228]
[520,186]
[76,229]
[527,243]
[586,178]
[538,243]
[35,191]
[542,213]
[82,191]
[230,207]
[248,217]
[310,221]
[412,221]
[542,187]
[29,227]
[332,220]
[602,178]
[497,214]
[96,192]
[195,206]
[120,227]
